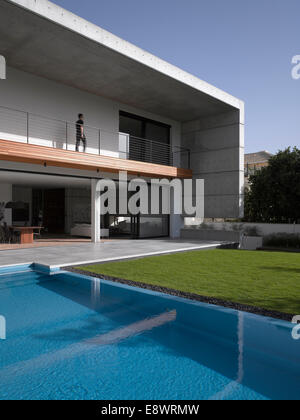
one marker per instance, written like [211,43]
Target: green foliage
[283,240]
[274,194]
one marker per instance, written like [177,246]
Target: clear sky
[244,47]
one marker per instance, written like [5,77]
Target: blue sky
[244,47]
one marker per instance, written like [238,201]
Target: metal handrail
[181,149]
[51,118]
[149,151]
[152,141]
[39,129]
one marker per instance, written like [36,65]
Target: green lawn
[264,279]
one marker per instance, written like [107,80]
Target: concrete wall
[26,92]
[5,197]
[217,156]
[209,235]
[264,229]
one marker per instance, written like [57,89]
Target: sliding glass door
[153,226]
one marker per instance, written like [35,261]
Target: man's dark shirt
[79,124]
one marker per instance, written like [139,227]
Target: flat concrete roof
[42,38]
[43,181]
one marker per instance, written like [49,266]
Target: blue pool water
[74,337]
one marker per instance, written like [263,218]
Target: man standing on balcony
[80,136]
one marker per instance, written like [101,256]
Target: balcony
[23,134]
[150,151]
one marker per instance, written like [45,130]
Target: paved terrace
[86,253]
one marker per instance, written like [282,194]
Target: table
[26,233]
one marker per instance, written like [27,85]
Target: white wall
[26,92]
[6,196]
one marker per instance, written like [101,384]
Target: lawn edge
[191,296]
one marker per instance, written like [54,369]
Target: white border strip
[16,265]
[148,254]
[125,257]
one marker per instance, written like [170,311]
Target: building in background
[254,162]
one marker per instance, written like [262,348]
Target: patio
[63,254]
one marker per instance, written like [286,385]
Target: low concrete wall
[263,229]
[232,231]
[252,243]
[210,235]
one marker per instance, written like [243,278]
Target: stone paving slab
[104,252]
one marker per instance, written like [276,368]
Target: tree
[274,193]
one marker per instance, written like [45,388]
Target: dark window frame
[145,120]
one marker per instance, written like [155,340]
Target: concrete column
[217,156]
[176,220]
[96,211]
[176,224]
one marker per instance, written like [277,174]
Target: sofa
[85,230]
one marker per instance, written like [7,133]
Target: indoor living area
[39,210]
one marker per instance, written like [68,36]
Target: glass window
[119,225]
[151,226]
[157,132]
[149,140]
[131,126]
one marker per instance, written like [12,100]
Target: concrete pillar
[96,211]
[176,224]
[217,156]
[176,220]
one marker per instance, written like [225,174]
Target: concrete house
[142,115]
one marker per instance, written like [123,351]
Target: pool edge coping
[46,268]
[52,267]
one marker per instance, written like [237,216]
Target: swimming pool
[75,337]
